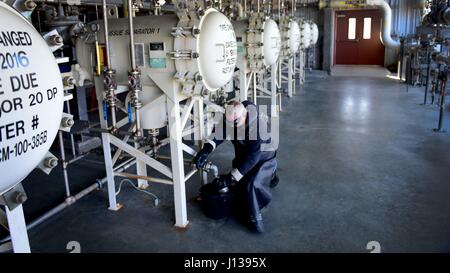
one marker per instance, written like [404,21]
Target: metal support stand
[176,152]
[64,163]
[255,99]
[443,78]
[243,85]
[273,91]
[291,85]
[141,170]
[18,230]
[300,66]
[427,84]
[106,140]
[199,132]
[294,71]
[435,84]
[113,205]
[12,200]
[72,139]
[402,56]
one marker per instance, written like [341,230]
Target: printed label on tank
[230,50]
[20,91]
[31,98]
[217,48]
[137,31]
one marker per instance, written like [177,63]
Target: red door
[358,38]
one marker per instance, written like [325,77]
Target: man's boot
[275,180]
[256,224]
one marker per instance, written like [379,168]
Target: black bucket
[216,205]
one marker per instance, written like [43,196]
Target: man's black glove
[223,183]
[200,158]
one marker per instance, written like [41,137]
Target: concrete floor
[358,162]
[359,71]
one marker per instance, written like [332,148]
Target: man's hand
[200,158]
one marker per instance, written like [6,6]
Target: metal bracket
[112,12]
[181,31]
[14,197]
[48,163]
[66,122]
[68,80]
[54,40]
[25,7]
[183,55]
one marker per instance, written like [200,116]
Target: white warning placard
[31,98]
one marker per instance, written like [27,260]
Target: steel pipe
[142,177]
[106,34]
[131,27]
[386,37]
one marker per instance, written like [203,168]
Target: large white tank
[295,36]
[314,33]
[31,98]
[273,38]
[194,54]
[305,30]
[258,43]
[290,36]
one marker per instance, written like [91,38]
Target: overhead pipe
[386,30]
[240,11]
[386,37]
[293,6]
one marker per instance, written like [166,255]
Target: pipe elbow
[386,37]
[240,10]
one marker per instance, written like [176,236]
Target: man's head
[235,113]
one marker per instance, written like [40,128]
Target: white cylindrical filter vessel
[314,33]
[272,38]
[216,45]
[31,98]
[198,54]
[290,36]
[258,43]
[295,36]
[305,30]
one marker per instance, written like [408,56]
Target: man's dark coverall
[254,165]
